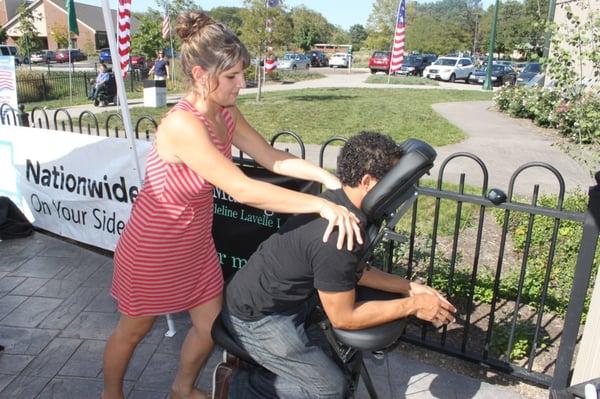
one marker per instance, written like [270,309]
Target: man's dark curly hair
[369,153]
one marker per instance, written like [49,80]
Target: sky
[344,13]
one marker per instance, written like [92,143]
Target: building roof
[89,15]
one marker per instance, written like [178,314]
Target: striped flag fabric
[398,48]
[124,34]
[6,80]
[165,25]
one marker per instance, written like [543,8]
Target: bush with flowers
[571,104]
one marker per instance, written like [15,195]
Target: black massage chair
[384,205]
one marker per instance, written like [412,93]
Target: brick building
[52,13]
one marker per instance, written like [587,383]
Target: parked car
[529,72]
[63,55]
[138,61]
[415,64]
[450,69]
[501,75]
[339,60]
[294,61]
[380,61]
[318,59]
[45,56]
[11,50]
[104,56]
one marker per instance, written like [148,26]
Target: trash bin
[155,93]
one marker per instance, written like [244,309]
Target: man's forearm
[380,280]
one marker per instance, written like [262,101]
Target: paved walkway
[56,314]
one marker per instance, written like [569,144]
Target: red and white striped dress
[165,261]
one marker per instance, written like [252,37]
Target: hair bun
[190,23]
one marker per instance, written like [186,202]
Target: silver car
[294,61]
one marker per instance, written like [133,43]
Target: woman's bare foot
[194,394]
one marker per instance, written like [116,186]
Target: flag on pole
[398,47]
[165,27]
[124,34]
[72,17]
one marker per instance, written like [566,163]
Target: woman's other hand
[346,222]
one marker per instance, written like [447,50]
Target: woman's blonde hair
[208,44]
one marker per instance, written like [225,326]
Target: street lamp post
[487,85]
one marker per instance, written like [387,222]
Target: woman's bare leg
[195,350]
[118,351]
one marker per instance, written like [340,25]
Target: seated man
[268,303]
[101,79]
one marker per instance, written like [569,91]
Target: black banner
[239,229]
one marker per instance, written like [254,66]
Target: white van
[10,50]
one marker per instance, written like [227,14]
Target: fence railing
[477,246]
[56,85]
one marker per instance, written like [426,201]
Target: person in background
[101,79]
[165,260]
[160,69]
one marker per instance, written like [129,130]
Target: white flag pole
[70,67]
[172,50]
[114,54]
[122,95]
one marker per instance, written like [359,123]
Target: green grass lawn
[401,80]
[317,114]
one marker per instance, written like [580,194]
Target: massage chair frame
[385,204]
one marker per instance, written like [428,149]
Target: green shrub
[575,115]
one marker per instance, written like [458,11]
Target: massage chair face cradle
[384,205]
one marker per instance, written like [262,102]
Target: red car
[138,61]
[380,61]
[63,55]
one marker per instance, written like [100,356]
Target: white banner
[8,82]
[77,186]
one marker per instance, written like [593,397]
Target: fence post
[583,270]
[45,89]
[23,116]
[85,84]
[587,364]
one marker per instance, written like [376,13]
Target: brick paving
[56,314]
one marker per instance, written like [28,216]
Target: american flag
[6,79]
[165,29]
[124,34]
[398,48]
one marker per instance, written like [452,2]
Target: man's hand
[433,308]
[416,289]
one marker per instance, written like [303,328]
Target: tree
[254,32]
[229,16]
[28,41]
[59,34]
[3,35]
[310,27]
[148,39]
[381,24]
[357,35]
[177,7]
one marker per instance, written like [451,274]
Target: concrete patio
[56,314]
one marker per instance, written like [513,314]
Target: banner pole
[172,52]
[70,68]
[122,95]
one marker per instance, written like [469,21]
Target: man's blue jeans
[294,353]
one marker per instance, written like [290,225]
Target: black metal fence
[463,241]
[56,85]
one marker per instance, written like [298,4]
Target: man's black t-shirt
[288,267]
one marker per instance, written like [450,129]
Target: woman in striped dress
[165,261]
